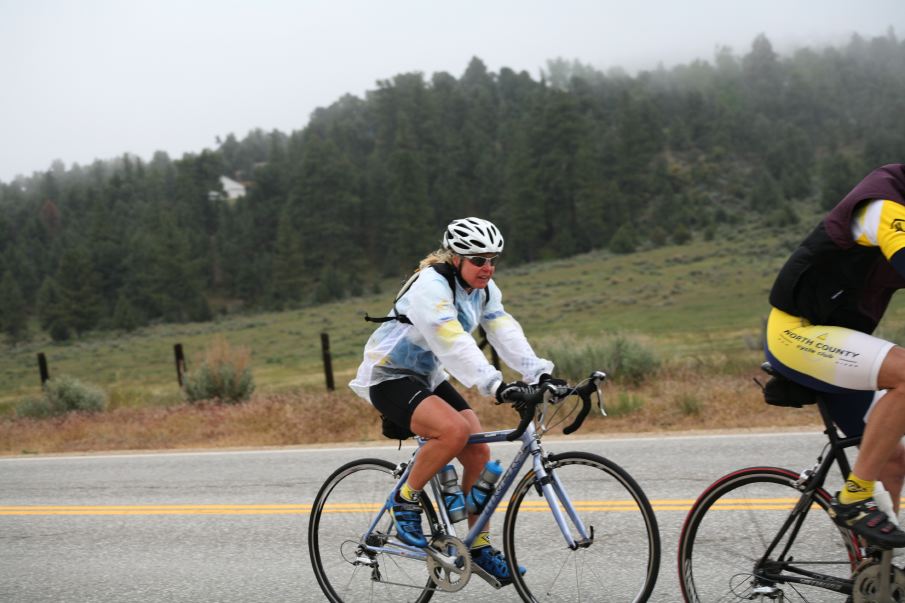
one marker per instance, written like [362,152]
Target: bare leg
[893,475]
[885,427]
[448,431]
[473,458]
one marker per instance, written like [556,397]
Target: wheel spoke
[346,505]
[622,561]
[728,531]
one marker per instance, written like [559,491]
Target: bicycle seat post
[837,444]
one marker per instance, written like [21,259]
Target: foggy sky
[93,79]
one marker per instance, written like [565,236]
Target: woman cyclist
[403,372]
[827,300]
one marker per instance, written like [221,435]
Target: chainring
[867,584]
[449,563]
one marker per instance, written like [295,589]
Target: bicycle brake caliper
[540,483]
[804,478]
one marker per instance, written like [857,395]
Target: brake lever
[584,392]
[600,403]
[582,414]
[599,377]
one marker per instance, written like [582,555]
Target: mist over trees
[573,161]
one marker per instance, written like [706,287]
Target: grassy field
[699,298]
[700,307]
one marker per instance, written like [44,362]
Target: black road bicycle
[764,534]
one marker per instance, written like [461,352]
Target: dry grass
[220,352]
[677,400]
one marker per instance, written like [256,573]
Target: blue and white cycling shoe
[494,563]
[407,517]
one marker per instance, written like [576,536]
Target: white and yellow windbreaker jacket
[439,339]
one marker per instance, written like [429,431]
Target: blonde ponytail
[440,256]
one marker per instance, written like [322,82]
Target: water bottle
[452,494]
[480,493]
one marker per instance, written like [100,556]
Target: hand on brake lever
[547,378]
[508,387]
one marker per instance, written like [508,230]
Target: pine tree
[80,301]
[287,280]
[50,310]
[13,313]
[125,315]
[624,241]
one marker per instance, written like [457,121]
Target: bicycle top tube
[485,437]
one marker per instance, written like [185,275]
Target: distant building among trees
[234,190]
[575,161]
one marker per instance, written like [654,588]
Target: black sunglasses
[479,260]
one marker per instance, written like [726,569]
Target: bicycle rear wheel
[344,508]
[621,561]
[728,530]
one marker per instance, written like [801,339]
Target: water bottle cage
[455,506]
[476,500]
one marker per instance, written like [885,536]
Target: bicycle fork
[548,484]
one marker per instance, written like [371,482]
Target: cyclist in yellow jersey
[827,300]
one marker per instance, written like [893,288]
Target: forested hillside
[573,161]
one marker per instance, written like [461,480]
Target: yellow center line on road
[536,505]
[155,510]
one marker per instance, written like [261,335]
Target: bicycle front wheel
[620,559]
[348,570]
[723,546]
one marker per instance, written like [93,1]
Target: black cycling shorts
[398,398]
[847,410]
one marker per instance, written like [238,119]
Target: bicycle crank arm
[446,561]
[488,578]
[885,564]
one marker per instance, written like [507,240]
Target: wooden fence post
[328,362]
[180,362]
[42,368]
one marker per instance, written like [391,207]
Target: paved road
[230,526]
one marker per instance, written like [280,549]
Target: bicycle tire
[607,499]
[342,511]
[729,527]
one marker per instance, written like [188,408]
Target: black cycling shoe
[866,520]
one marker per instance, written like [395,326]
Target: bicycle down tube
[553,492]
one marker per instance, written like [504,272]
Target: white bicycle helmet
[471,236]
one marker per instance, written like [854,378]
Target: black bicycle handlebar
[526,400]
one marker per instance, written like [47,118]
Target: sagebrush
[224,375]
[62,395]
[626,359]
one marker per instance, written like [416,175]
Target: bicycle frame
[808,484]
[552,489]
